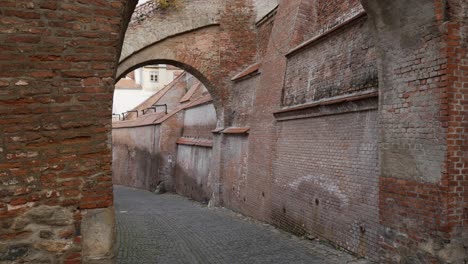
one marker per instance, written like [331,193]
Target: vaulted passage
[164,143]
[342,120]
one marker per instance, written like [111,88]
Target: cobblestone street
[172,229]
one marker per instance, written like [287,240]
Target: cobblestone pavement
[172,229]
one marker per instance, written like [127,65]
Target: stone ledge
[267,17]
[325,34]
[334,106]
[207,143]
[236,130]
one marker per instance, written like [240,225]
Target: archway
[141,59]
[150,148]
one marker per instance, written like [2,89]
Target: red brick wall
[136,156]
[456,40]
[340,63]
[235,184]
[313,154]
[316,16]
[325,179]
[421,130]
[237,46]
[263,37]
[57,62]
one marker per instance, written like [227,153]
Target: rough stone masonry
[356,116]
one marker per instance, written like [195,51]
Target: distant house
[140,85]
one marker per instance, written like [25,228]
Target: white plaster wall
[127,99]
[264,7]
[165,77]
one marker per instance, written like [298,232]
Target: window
[154,76]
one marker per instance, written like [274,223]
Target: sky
[141,2]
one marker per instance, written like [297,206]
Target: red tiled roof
[125,83]
[156,97]
[145,120]
[236,130]
[202,100]
[250,71]
[190,93]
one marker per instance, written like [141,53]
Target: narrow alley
[172,229]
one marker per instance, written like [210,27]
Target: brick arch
[213,40]
[150,25]
[196,52]
[188,68]
[58,64]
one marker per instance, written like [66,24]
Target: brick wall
[235,182]
[307,181]
[421,140]
[456,38]
[243,97]
[263,37]
[316,16]
[325,179]
[336,64]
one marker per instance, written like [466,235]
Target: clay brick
[22,14]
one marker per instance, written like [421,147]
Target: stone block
[98,232]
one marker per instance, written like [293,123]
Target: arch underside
[196,52]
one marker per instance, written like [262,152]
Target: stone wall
[136,156]
[173,153]
[193,171]
[200,121]
[193,176]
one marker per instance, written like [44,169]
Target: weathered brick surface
[337,64]
[243,97]
[325,179]
[145,29]
[199,121]
[192,172]
[193,177]
[57,63]
[136,156]
[314,17]
[264,33]
[234,182]
[421,193]
[221,46]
